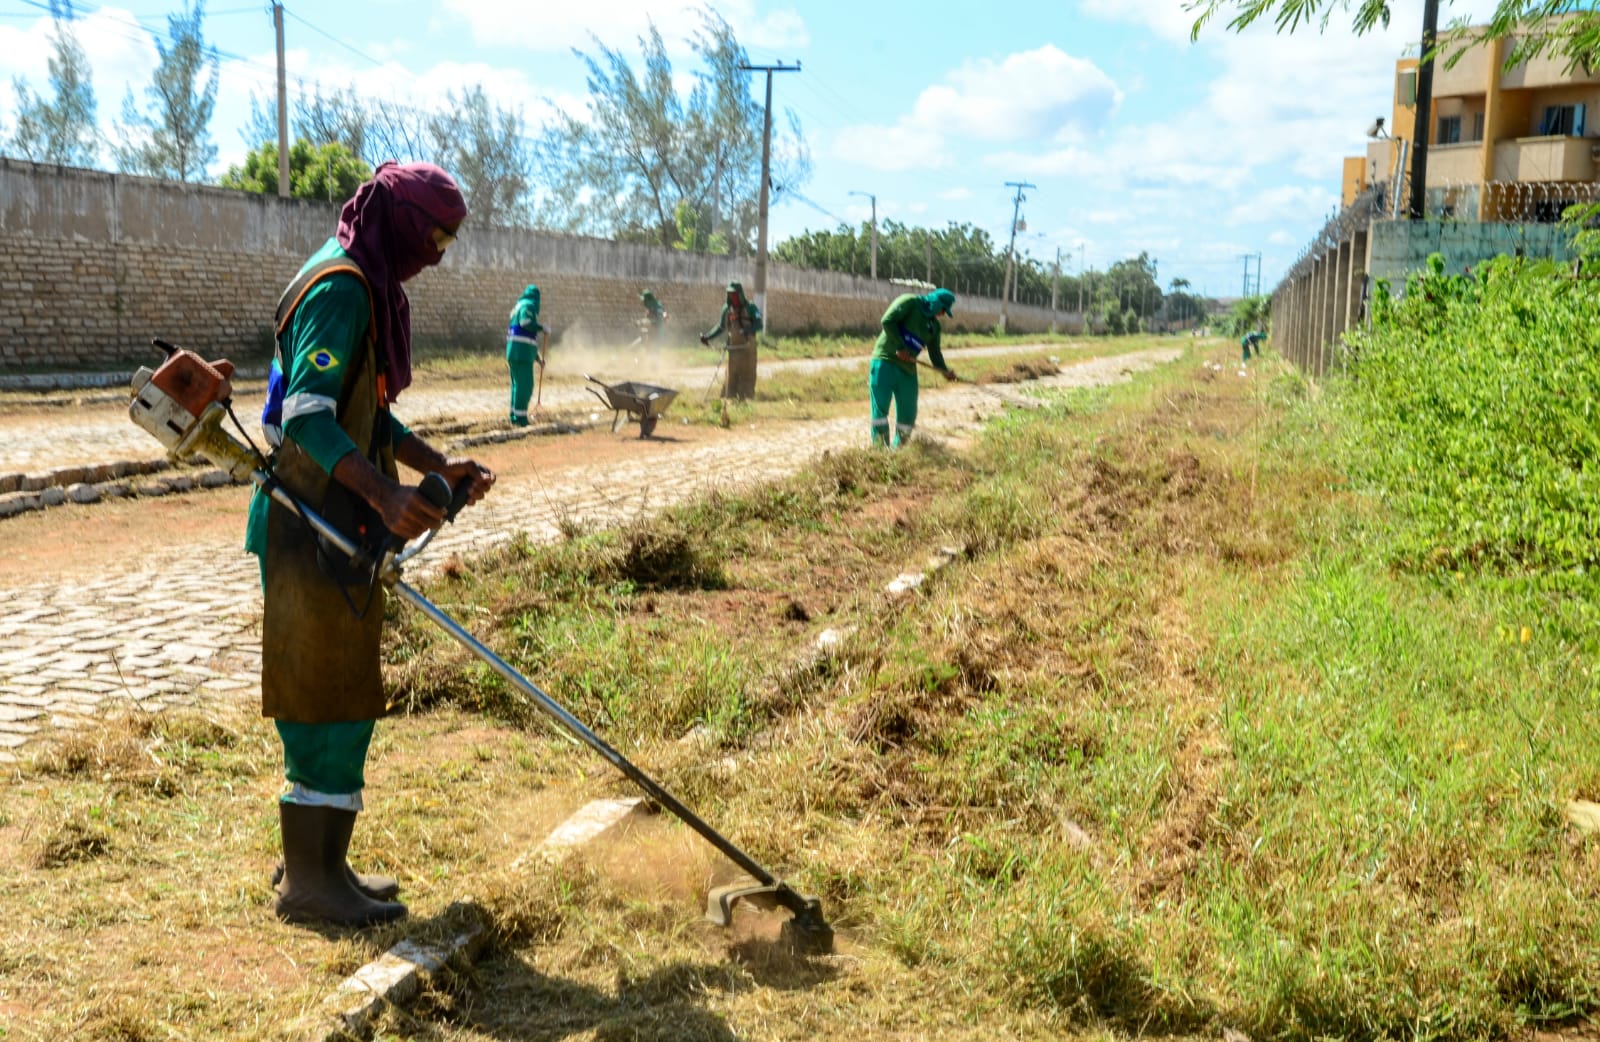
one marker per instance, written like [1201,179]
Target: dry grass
[1012,790]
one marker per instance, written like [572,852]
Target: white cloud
[1284,204]
[1039,93]
[618,23]
[1028,96]
[1167,18]
[956,195]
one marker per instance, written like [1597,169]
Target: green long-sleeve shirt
[325,337]
[911,314]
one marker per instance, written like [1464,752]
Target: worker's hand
[458,469]
[705,341]
[407,512]
[905,356]
[949,374]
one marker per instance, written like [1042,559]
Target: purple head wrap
[387,229]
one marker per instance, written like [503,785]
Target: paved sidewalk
[155,633]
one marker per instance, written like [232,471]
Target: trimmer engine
[183,403]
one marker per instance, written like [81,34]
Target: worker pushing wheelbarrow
[641,402]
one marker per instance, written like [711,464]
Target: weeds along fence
[1325,291]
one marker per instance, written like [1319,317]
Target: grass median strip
[1169,747]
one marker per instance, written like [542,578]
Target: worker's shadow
[503,996]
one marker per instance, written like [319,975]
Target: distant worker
[910,325]
[741,321]
[1251,341]
[655,318]
[524,338]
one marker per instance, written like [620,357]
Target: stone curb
[109,481]
[82,381]
[20,493]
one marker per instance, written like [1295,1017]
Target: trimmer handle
[436,490]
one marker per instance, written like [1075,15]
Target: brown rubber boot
[315,886]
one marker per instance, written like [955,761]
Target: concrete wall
[1399,247]
[92,265]
[1323,296]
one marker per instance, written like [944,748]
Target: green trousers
[520,359]
[890,384]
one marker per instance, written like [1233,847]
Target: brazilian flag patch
[322,361]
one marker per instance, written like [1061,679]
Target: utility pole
[766,179]
[1424,131]
[1011,250]
[927,256]
[1083,276]
[1245,291]
[742,383]
[1055,283]
[283,106]
[874,199]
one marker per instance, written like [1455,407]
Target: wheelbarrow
[642,402]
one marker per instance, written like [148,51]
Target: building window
[1405,87]
[1562,121]
[1449,131]
[1477,126]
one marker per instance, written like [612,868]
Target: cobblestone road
[158,633]
[45,439]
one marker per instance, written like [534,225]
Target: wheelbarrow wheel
[647,426]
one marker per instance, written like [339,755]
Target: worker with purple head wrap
[343,357]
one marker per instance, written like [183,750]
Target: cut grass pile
[1163,750]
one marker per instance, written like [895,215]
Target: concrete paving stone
[10,714]
[91,687]
[29,699]
[98,644]
[65,699]
[71,662]
[12,741]
[32,680]
[69,722]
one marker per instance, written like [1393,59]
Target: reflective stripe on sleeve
[298,405]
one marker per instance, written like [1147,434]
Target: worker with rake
[654,320]
[740,321]
[343,356]
[524,338]
[910,326]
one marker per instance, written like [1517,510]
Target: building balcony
[1543,159]
[1458,164]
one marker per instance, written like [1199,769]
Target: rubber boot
[315,886]
[379,888]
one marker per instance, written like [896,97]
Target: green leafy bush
[1475,402]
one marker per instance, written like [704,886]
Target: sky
[1137,139]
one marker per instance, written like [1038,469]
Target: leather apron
[320,663]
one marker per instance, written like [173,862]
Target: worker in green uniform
[343,356]
[740,321]
[1251,341]
[910,326]
[524,338]
[655,318]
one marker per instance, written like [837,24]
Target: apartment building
[1504,145]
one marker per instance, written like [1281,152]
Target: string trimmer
[1021,403]
[183,403]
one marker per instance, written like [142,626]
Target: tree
[328,172]
[1569,29]
[59,130]
[484,148]
[339,117]
[175,140]
[646,148]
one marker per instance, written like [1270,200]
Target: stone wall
[92,265]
